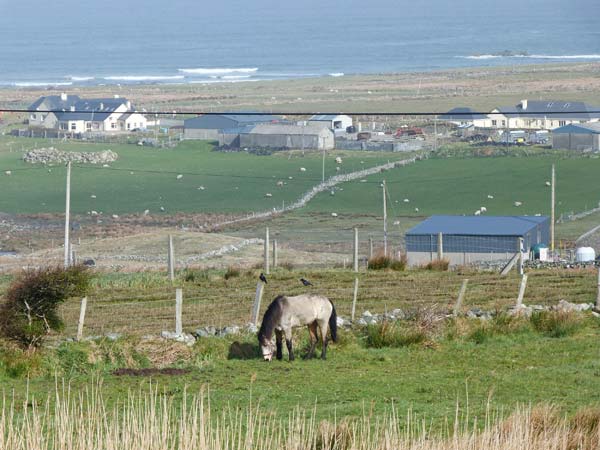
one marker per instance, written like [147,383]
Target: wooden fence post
[266,257]
[355,253]
[522,290]
[354,296]
[170,258]
[257,299]
[81,318]
[275,259]
[178,311]
[461,296]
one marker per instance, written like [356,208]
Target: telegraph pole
[552,219]
[67,212]
[384,220]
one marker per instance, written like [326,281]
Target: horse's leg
[323,326]
[288,342]
[314,338]
[279,342]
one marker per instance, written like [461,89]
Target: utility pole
[67,212]
[435,133]
[323,170]
[384,220]
[552,218]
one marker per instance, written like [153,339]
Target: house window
[73,126]
[63,126]
[562,123]
[504,123]
[33,117]
[494,123]
[88,126]
[113,126]
[128,126]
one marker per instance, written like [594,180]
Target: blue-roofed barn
[210,126]
[583,137]
[469,239]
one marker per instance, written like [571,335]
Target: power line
[313,113]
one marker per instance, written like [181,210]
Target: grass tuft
[556,324]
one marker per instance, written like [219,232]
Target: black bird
[263,278]
[305,282]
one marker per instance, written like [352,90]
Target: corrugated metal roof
[478,225]
[579,128]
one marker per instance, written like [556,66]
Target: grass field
[461,186]
[233,182]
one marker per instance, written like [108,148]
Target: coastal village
[572,125]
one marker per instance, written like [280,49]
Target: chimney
[63,96]
[128,105]
[524,104]
[101,106]
[72,107]
[116,95]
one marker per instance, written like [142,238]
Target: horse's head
[267,349]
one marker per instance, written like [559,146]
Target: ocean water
[71,42]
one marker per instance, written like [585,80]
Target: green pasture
[430,379]
[462,185]
[146,178]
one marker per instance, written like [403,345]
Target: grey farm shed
[469,239]
[209,126]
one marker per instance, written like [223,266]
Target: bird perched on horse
[305,282]
[263,278]
[285,313]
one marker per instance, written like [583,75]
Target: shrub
[387,334]
[555,324]
[232,272]
[381,262]
[191,275]
[30,312]
[440,265]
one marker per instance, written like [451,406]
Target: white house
[73,114]
[465,117]
[542,115]
[334,122]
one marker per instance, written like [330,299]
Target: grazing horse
[285,313]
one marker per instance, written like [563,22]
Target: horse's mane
[270,319]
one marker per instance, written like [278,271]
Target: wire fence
[219,302]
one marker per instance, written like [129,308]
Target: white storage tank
[584,254]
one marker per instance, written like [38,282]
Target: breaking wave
[144,77]
[218,71]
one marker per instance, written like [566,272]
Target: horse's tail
[333,322]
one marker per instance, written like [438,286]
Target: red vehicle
[410,131]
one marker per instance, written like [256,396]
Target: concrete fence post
[81,318]
[522,290]
[355,253]
[257,300]
[461,296]
[440,246]
[266,257]
[354,296]
[178,311]
[598,293]
[275,255]
[171,259]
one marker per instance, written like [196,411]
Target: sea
[81,43]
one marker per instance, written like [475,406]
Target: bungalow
[542,115]
[73,114]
